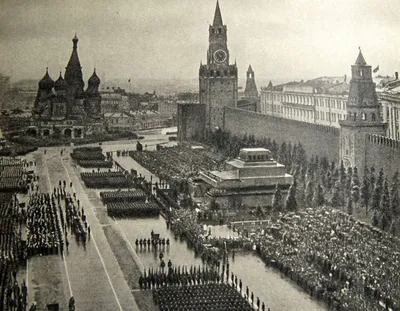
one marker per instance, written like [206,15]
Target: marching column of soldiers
[182,276]
[154,241]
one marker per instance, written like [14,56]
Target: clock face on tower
[220,56]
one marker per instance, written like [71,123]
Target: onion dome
[46,83]
[94,80]
[60,83]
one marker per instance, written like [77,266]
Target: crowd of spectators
[175,162]
[347,263]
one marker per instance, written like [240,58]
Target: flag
[376,69]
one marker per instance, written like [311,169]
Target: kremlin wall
[316,139]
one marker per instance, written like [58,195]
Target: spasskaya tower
[218,80]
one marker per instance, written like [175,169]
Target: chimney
[396,74]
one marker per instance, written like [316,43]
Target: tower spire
[217,16]
[73,71]
[360,59]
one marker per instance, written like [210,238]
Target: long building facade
[309,102]
[320,101]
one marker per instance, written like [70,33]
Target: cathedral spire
[73,71]
[217,16]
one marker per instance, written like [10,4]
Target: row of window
[330,103]
[392,117]
[319,115]
[333,117]
[319,102]
[365,117]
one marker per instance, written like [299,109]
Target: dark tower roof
[360,60]
[217,16]
[270,86]
[94,79]
[46,83]
[251,88]
[73,71]
[93,85]
[60,83]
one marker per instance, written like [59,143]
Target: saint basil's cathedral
[64,106]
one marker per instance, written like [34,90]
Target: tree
[355,194]
[355,187]
[310,176]
[376,197]
[283,154]
[380,179]
[349,207]
[309,193]
[318,199]
[394,195]
[337,197]
[375,219]
[342,173]
[259,211]
[386,214]
[366,189]
[301,157]
[277,205]
[291,202]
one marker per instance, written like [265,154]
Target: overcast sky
[167,39]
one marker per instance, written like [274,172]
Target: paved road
[91,274]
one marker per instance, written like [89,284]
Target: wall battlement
[383,141]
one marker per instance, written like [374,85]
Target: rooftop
[254,149]
[323,85]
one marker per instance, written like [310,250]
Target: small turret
[60,84]
[251,87]
[46,83]
[94,80]
[93,84]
